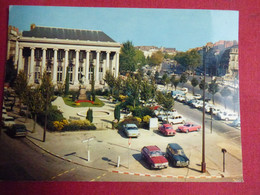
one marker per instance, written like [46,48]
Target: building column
[117,65]
[43,60]
[55,66]
[97,68]
[76,79]
[64,71]
[106,67]
[20,59]
[16,53]
[87,68]
[31,70]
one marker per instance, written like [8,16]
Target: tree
[213,89]
[132,90]
[90,115]
[156,58]
[166,101]
[139,58]
[225,92]
[146,91]
[176,83]
[110,80]
[194,83]
[47,91]
[183,78]
[127,58]
[117,113]
[10,72]
[203,85]
[156,75]
[164,79]
[35,104]
[20,86]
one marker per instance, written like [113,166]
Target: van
[175,119]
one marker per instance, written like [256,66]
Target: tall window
[37,72]
[70,73]
[80,73]
[59,74]
[60,55]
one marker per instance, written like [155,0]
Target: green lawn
[69,102]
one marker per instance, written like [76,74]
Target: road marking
[60,174]
[97,178]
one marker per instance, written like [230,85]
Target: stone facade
[55,50]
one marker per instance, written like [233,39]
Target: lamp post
[203,163]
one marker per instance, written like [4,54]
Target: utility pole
[203,163]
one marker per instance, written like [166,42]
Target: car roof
[166,125]
[152,148]
[175,146]
[131,125]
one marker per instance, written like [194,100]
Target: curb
[130,173]
[170,176]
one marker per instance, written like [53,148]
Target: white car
[197,104]
[197,96]
[169,114]
[175,119]
[184,89]
[8,121]
[227,116]
[181,98]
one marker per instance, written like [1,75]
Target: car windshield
[187,125]
[156,153]
[179,152]
[131,128]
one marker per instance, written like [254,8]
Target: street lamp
[203,163]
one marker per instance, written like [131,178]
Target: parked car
[188,127]
[180,98]
[227,116]
[177,92]
[131,130]
[235,123]
[8,121]
[164,116]
[184,89]
[175,119]
[197,96]
[154,157]
[176,155]
[197,104]
[18,130]
[166,129]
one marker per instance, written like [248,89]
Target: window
[59,74]
[37,72]
[70,73]
[80,73]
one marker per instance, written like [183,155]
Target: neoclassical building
[82,52]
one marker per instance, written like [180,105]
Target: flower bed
[89,101]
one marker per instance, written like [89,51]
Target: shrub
[90,115]
[146,119]
[117,113]
[79,125]
[142,111]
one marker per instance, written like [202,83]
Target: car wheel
[198,129]
[187,131]
[226,119]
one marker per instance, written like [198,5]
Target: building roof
[70,34]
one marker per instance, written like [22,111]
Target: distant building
[82,52]
[150,50]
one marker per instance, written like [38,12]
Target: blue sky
[175,28]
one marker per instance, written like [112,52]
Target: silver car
[131,130]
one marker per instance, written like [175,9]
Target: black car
[176,155]
[18,130]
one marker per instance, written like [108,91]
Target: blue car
[131,130]
[176,155]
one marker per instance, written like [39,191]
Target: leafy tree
[139,58]
[156,58]
[176,83]
[166,101]
[35,103]
[156,75]
[110,80]
[20,86]
[117,113]
[118,86]
[164,78]
[213,89]
[132,89]
[194,83]
[183,78]
[203,85]
[225,92]
[10,72]
[146,91]
[90,115]
[127,58]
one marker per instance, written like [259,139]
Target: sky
[182,29]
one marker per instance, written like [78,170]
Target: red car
[188,127]
[166,129]
[154,157]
